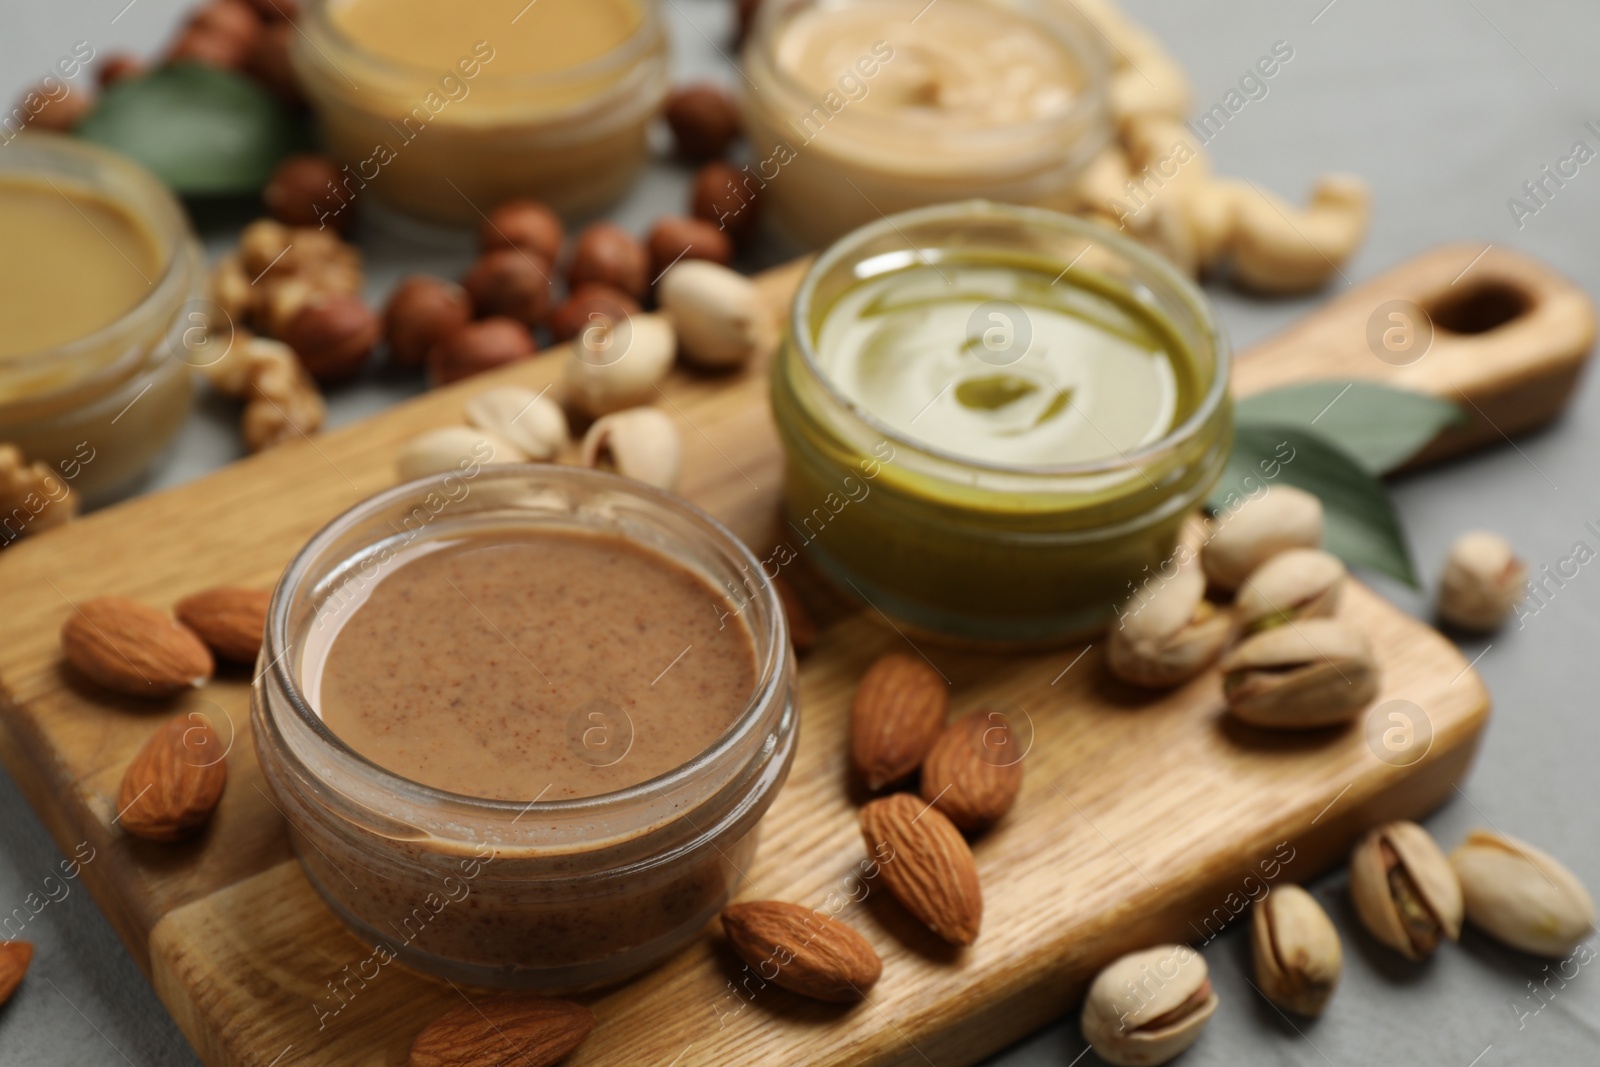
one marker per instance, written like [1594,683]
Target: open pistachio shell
[1168,634]
[1404,889]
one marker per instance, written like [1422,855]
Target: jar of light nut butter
[858,109]
[997,419]
[524,721]
[99,274]
[444,110]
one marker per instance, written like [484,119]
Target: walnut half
[33,498]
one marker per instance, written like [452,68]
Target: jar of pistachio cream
[996,418]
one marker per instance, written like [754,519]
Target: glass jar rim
[638,45]
[770,671]
[1158,267]
[1069,26]
[62,145]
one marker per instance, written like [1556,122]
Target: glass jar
[449,143]
[978,551]
[99,408]
[554,895]
[831,159]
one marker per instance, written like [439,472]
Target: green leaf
[203,131]
[1379,426]
[1361,526]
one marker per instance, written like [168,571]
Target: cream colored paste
[535,37]
[71,263]
[961,63]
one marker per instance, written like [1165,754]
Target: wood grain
[1139,820]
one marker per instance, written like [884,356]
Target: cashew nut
[1147,79]
[1103,183]
[1280,249]
[1211,209]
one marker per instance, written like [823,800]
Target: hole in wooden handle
[1479,308]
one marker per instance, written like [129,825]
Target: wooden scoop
[1498,332]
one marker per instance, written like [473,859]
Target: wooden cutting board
[1140,819]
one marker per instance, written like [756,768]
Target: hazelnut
[303,191]
[276,11]
[704,121]
[118,67]
[510,282]
[233,19]
[675,238]
[525,224]
[197,45]
[268,63]
[43,112]
[333,336]
[610,255]
[592,304]
[478,347]
[423,311]
[726,197]
[747,11]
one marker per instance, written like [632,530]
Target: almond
[133,649]
[231,621]
[928,868]
[898,712]
[175,781]
[524,1031]
[974,770]
[816,955]
[14,959]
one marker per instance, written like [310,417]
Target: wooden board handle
[1498,332]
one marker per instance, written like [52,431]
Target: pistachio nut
[1300,676]
[1483,582]
[640,443]
[1282,518]
[1296,950]
[1168,636]
[1148,1006]
[454,448]
[616,365]
[1405,891]
[531,421]
[720,317]
[1302,583]
[1522,896]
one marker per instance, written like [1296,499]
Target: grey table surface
[1447,107]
